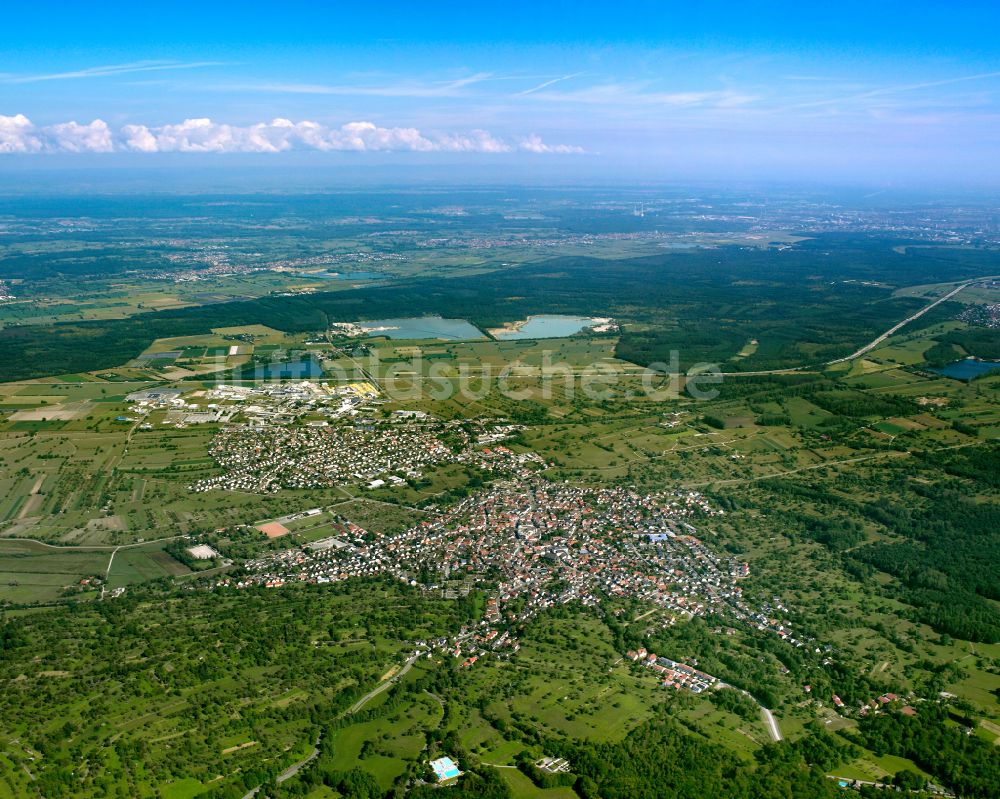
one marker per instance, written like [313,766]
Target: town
[535,545]
[264,457]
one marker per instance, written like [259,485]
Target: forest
[703,304]
[209,669]
[965,763]
[948,544]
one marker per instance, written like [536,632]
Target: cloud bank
[18,134]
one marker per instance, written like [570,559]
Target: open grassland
[31,572]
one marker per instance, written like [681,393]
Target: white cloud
[72,137]
[19,135]
[478,141]
[534,144]
[449,88]
[138,138]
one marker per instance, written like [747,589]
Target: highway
[871,344]
[875,342]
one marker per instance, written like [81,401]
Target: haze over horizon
[895,93]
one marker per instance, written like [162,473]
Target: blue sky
[878,91]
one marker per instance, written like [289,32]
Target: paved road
[291,771]
[772,724]
[381,686]
[114,550]
[769,720]
[115,547]
[871,344]
[294,769]
[107,572]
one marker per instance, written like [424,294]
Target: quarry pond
[421,327]
[550,326]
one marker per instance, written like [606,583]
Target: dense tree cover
[543,779]
[733,701]
[201,669]
[982,342]
[941,354]
[836,533]
[765,388]
[943,541]
[754,668]
[485,783]
[981,464]
[774,420]
[37,350]
[965,763]
[819,748]
[947,560]
[859,404]
[704,305]
[660,760]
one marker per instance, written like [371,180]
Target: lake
[346,275]
[417,327]
[546,326]
[299,369]
[967,369]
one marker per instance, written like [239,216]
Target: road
[934,789]
[294,769]
[381,686]
[810,467]
[772,725]
[895,453]
[791,369]
[114,550]
[115,547]
[107,572]
[769,720]
[871,344]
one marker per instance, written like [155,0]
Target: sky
[878,92]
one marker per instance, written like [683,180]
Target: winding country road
[382,686]
[894,453]
[769,720]
[114,550]
[772,725]
[107,571]
[294,769]
[114,547]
